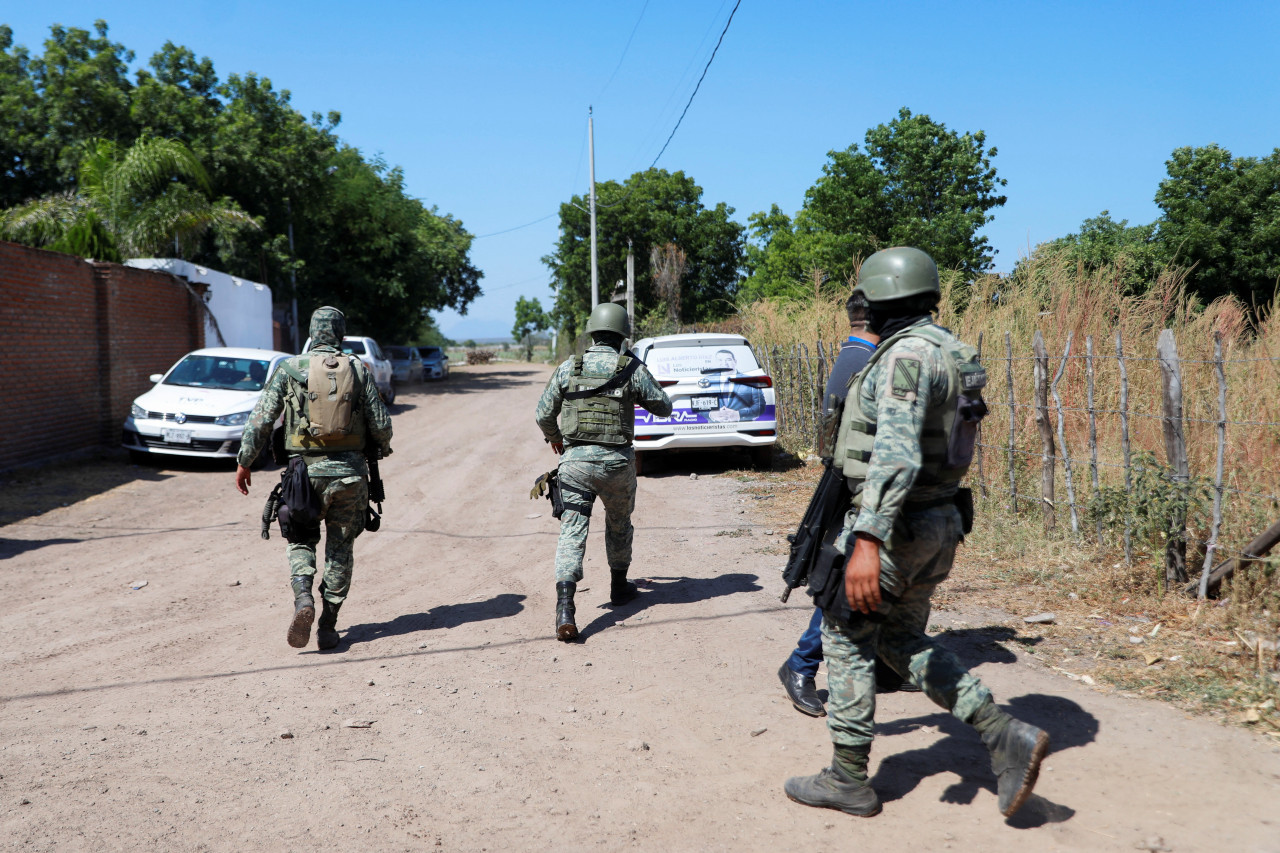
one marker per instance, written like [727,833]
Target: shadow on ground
[32,491]
[962,754]
[466,382]
[445,616]
[668,590]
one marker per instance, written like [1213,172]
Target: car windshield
[220,372]
[353,347]
[398,352]
[678,362]
[429,353]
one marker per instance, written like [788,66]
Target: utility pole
[591,147]
[631,289]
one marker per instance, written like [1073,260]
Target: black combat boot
[1016,748]
[565,628]
[304,611]
[621,590]
[802,690]
[843,785]
[327,633]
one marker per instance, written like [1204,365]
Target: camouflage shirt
[274,400]
[644,391]
[898,399]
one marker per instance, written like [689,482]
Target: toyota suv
[721,397]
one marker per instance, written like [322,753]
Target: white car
[368,351]
[200,405]
[720,394]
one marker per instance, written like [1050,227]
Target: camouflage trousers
[613,480]
[343,501]
[913,561]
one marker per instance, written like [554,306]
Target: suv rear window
[679,362]
[398,352]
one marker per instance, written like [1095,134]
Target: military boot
[843,786]
[621,590]
[565,628]
[304,611]
[1016,748]
[327,634]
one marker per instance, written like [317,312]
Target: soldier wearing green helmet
[587,415]
[906,439]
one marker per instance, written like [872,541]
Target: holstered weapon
[828,501]
[548,486]
[271,511]
[377,493]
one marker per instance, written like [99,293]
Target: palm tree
[133,202]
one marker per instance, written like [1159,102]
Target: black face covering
[887,323]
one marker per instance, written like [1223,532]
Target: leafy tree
[128,203]
[358,237]
[530,319]
[650,208]
[1222,215]
[916,184]
[1132,252]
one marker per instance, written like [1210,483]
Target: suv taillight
[754,381]
[667,383]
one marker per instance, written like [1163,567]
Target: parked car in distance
[435,362]
[200,405]
[368,351]
[721,397]
[406,364]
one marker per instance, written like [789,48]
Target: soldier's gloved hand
[386,451]
[862,574]
[557,447]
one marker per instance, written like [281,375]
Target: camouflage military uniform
[340,479]
[608,472]
[920,529]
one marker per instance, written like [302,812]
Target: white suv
[368,351]
[720,394]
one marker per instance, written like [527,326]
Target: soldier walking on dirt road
[587,415]
[906,439]
[332,410]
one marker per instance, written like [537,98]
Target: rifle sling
[616,381]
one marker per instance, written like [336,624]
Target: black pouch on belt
[964,503]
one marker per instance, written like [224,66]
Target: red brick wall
[77,343]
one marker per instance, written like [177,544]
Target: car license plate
[176,436]
[704,404]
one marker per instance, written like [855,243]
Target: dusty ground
[152,718]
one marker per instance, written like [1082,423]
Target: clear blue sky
[484,103]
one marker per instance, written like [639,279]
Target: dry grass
[1201,657]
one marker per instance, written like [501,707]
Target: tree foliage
[359,239]
[917,183]
[650,208]
[530,319]
[1222,215]
[1130,252]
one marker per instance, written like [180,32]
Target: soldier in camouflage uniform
[339,474]
[595,395]
[906,439]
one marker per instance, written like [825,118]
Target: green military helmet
[609,317]
[328,325]
[897,273]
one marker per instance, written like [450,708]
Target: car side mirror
[156,377]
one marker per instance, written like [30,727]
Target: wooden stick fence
[800,374]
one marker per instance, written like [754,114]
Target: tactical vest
[607,417]
[950,430]
[326,415]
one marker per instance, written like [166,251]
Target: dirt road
[156,718]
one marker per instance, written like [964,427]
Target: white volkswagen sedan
[199,407]
[720,394]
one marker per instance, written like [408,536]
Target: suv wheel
[390,396]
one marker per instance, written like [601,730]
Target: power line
[625,49]
[697,87]
[516,228]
